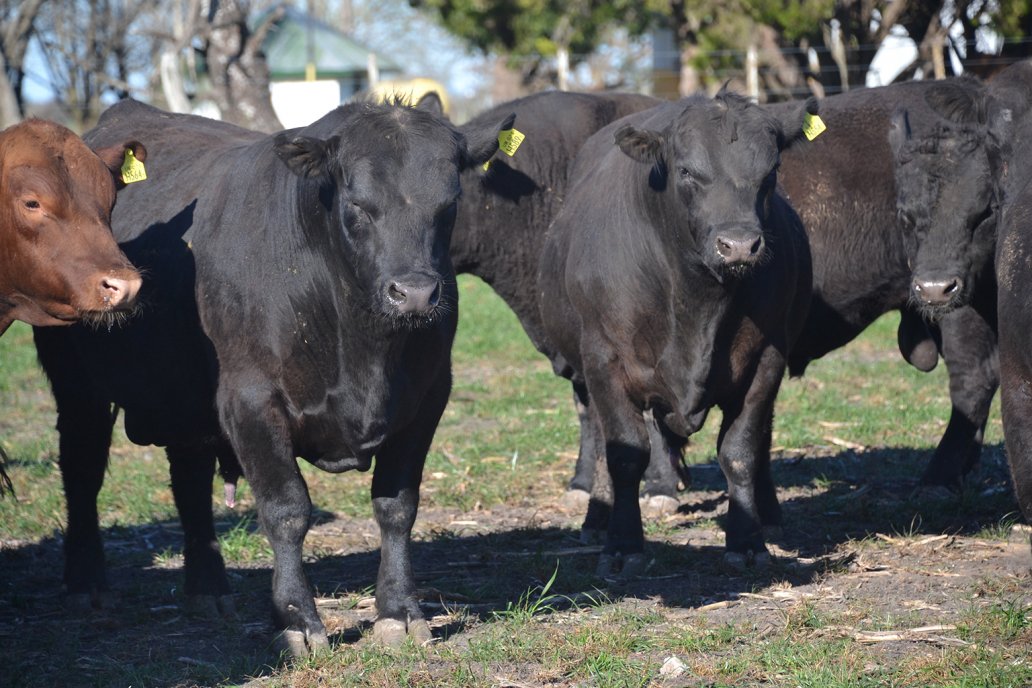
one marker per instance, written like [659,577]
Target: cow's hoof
[203,606]
[419,631]
[298,644]
[79,603]
[393,633]
[736,560]
[576,500]
[87,602]
[620,567]
[227,607]
[742,560]
[933,493]
[210,606]
[592,536]
[633,566]
[658,506]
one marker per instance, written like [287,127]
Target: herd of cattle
[298,294]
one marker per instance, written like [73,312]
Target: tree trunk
[237,67]
[10,112]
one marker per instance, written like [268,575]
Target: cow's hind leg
[395,492]
[591,445]
[969,349]
[192,469]
[665,469]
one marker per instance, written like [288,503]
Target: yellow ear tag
[813,126]
[509,140]
[132,169]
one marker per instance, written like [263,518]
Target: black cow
[505,210]
[842,185]
[674,279]
[1014,272]
[961,178]
[301,303]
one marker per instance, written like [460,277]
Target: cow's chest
[698,363]
[344,410]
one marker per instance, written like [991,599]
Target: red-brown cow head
[59,262]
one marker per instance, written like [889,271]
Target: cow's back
[189,159]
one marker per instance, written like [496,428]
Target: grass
[852,437]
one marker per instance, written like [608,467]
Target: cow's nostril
[938,292]
[116,291]
[414,294]
[396,293]
[755,248]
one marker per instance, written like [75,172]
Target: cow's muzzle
[119,292]
[415,294]
[939,292]
[739,246]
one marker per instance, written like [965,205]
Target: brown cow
[59,262]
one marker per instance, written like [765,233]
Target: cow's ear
[431,102]
[113,158]
[899,130]
[305,156]
[642,145]
[800,123]
[1000,129]
[482,141]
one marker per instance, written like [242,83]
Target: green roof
[336,55]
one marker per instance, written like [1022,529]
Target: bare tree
[91,48]
[18,20]
[237,67]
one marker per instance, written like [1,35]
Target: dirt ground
[892,570]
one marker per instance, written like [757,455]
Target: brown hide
[59,262]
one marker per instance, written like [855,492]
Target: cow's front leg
[259,435]
[192,469]
[84,422]
[395,492]
[627,455]
[743,450]
[85,439]
[969,349]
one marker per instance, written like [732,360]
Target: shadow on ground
[480,562]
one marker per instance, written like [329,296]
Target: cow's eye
[32,204]
[684,173]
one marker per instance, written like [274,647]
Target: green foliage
[1011,18]
[538,27]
